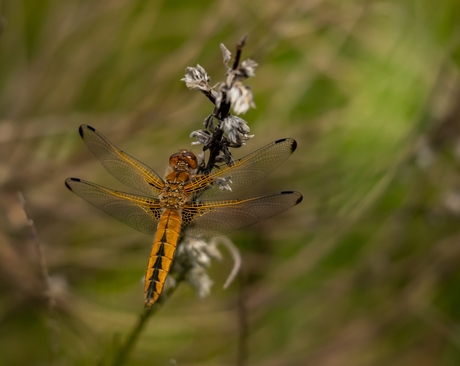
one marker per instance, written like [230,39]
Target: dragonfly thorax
[173,199]
[173,195]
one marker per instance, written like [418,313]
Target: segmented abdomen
[162,254]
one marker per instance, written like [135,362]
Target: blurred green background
[365,271]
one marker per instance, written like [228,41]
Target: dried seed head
[197,78]
[194,256]
[236,130]
[240,97]
[196,252]
[201,161]
[247,69]
[226,55]
[202,137]
[198,278]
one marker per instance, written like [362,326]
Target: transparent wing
[245,172]
[141,213]
[122,166]
[208,219]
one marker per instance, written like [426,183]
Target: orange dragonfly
[179,204]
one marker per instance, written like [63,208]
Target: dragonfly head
[183,161]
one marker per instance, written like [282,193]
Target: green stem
[123,351]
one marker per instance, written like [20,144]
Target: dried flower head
[240,97]
[197,78]
[237,131]
[226,55]
[202,137]
[247,69]
[194,256]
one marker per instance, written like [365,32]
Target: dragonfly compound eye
[191,159]
[183,158]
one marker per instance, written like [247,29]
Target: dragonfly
[184,202]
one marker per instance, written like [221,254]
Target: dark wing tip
[71,180]
[82,127]
[292,142]
[299,195]
[80,130]
[299,199]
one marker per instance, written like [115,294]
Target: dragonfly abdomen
[162,254]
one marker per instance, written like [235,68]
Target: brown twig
[221,112]
[50,300]
[239,49]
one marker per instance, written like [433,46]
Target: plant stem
[123,351]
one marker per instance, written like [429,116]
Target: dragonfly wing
[245,172]
[208,219]
[122,166]
[141,213]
